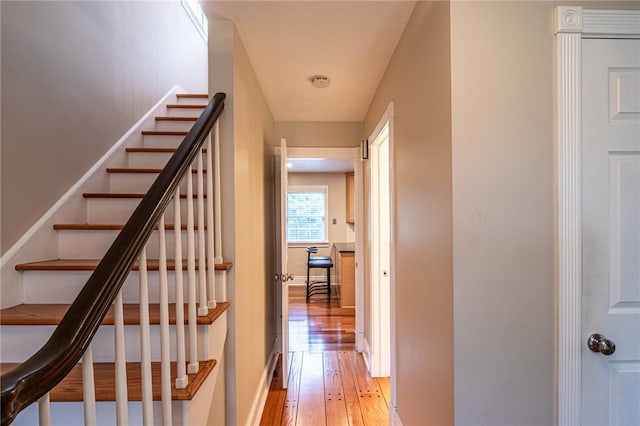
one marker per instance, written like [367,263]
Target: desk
[346,273]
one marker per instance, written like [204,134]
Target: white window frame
[312,188]
[197,16]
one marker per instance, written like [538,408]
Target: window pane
[306,216]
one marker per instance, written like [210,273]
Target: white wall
[75,77]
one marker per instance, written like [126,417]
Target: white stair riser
[118,210]
[184,112]
[93,244]
[148,160]
[64,286]
[141,182]
[192,101]
[71,413]
[174,125]
[161,141]
[28,339]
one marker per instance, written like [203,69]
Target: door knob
[599,343]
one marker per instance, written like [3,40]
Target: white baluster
[218,193]
[181,377]
[224,285]
[145,342]
[211,258]
[88,388]
[165,354]
[122,415]
[192,367]
[203,309]
[44,410]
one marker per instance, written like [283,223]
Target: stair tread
[140,170]
[91,264]
[52,313]
[193,95]
[106,227]
[154,150]
[167,118]
[123,195]
[164,132]
[70,388]
[187,106]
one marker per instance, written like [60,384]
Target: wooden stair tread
[52,313]
[164,132]
[166,118]
[91,264]
[186,106]
[193,95]
[154,150]
[123,195]
[70,388]
[106,227]
[140,170]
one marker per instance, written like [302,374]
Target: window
[197,15]
[307,213]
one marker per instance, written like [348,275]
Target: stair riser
[118,210]
[184,126]
[141,182]
[184,112]
[64,286]
[161,141]
[192,101]
[71,413]
[148,160]
[27,340]
[94,244]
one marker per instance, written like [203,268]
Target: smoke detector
[320,81]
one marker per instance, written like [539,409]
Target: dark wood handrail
[47,367]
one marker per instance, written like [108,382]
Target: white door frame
[572,24]
[379,362]
[340,154]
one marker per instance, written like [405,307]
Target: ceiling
[288,42]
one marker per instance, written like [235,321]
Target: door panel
[611,230]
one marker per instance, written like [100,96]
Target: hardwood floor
[328,383]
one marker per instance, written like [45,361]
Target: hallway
[328,382]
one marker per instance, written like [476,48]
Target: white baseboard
[301,280]
[263,388]
[395,418]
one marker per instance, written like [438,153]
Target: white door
[611,231]
[380,353]
[282,293]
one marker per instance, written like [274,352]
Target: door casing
[572,24]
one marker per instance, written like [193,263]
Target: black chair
[317,286]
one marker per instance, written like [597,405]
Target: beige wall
[503,185]
[75,77]
[422,246]
[323,134]
[248,135]
[339,233]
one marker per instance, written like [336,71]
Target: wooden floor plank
[385,386]
[352,400]
[311,408]
[372,403]
[274,405]
[290,412]
[333,392]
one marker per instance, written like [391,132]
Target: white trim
[263,388]
[572,24]
[395,417]
[97,166]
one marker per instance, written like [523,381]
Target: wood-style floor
[328,382]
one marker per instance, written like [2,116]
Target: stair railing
[71,340]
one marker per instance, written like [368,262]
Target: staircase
[178,343]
